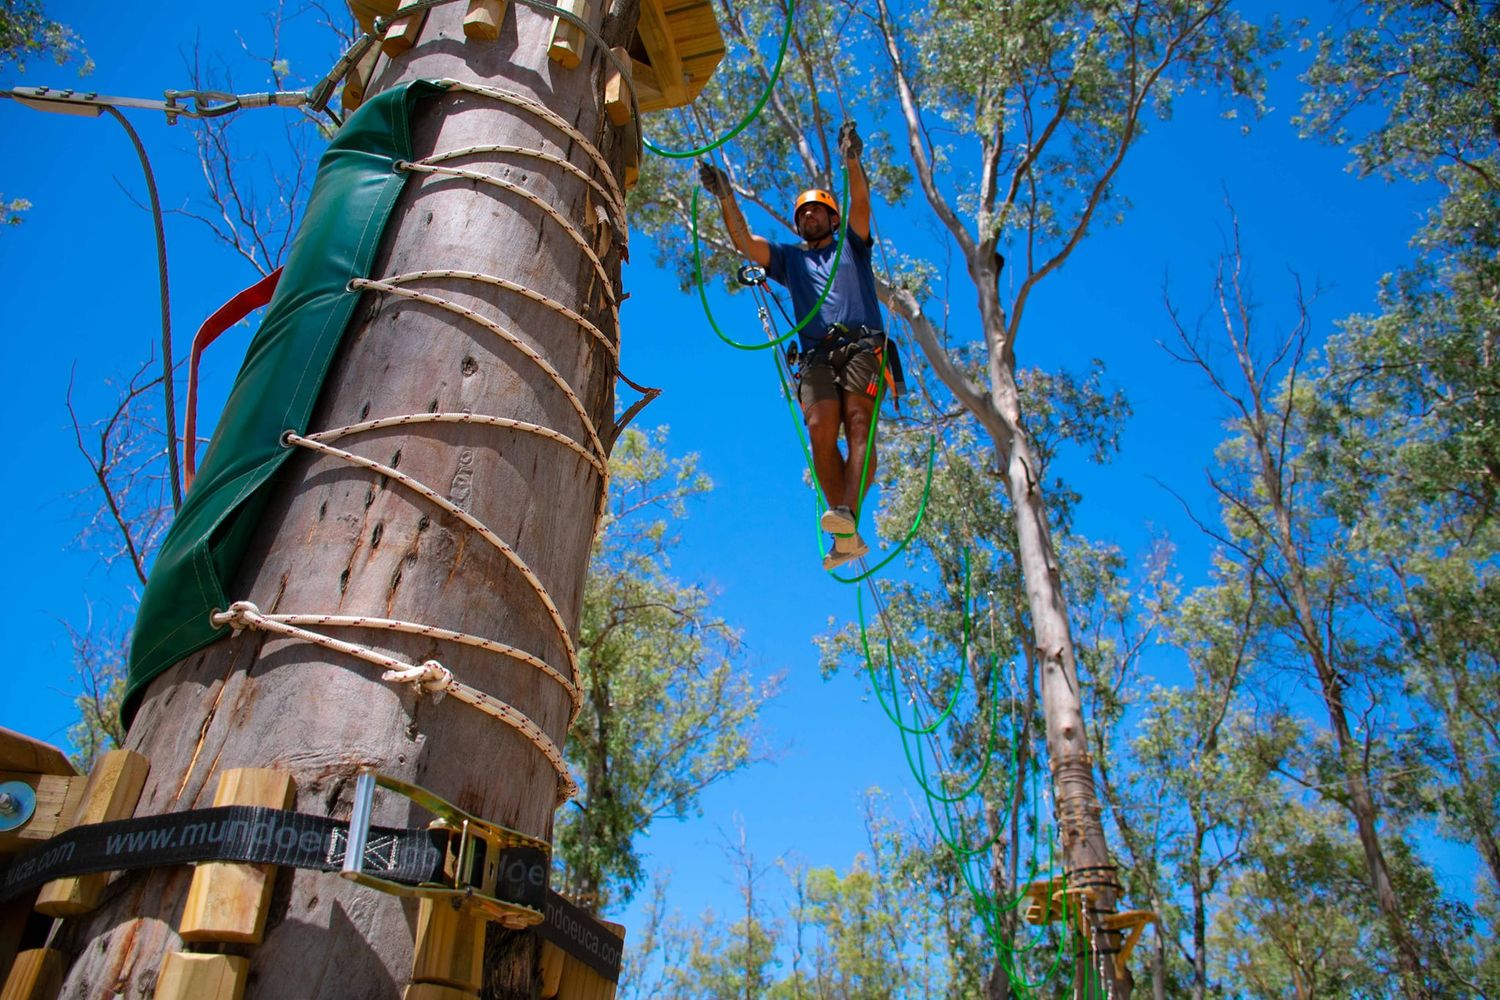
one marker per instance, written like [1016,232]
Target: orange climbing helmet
[815,196]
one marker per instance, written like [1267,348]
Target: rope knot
[239,615]
[430,678]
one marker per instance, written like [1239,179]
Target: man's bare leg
[823,420]
[857,477]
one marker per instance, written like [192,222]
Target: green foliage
[1429,67]
[27,32]
[12,210]
[667,709]
[892,926]
[1291,920]
[99,656]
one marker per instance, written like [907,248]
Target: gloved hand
[850,144]
[714,180]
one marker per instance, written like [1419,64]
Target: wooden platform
[676,49]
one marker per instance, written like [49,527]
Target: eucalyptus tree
[1405,409]
[1014,121]
[1329,626]
[1408,400]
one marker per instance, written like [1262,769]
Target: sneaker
[838,521]
[834,559]
[850,543]
[843,552]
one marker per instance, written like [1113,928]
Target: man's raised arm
[852,146]
[716,182]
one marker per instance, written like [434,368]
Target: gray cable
[168,396]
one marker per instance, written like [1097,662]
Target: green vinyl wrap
[277,387]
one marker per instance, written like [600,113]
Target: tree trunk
[1080,826]
[339,539]
[1361,801]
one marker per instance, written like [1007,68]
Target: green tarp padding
[278,386]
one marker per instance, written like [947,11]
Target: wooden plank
[567,42]
[37,974]
[449,947]
[189,976]
[630,138]
[607,988]
[552,968]
[403,34]
[662,52]
[436,991]
[57,799]
[229,902]
[112,791]
[579,982]
[482,22]
[22,753]
[357,83]
[647,90]
[616,90]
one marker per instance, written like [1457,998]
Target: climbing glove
[715,181]
[850,144]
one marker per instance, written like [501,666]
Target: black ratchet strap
[250,834]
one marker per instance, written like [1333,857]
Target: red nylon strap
[223,318]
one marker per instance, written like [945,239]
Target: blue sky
[81,281]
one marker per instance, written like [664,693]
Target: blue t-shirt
[851,301]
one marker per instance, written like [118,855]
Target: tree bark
[1086,856]
[1361,800]
[1079,818]
[338,539]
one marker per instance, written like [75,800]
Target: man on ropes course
[839,369]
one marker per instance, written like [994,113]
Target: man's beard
[813,230]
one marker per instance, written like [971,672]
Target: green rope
[945,793]
[838,254]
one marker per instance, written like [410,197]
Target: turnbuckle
[478,857]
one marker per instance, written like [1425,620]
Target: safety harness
[841,343]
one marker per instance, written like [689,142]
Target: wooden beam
[57,799]
[436,991]
[552,968]
[189,976]
[482,22]
[358,80]
[647,89]
[22,753]
[229,902]
[567,42]
[617,89]
[580,982]
[656,35]
[403,34]
[630,136]
[36,975]
[111,793]
[449,947]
